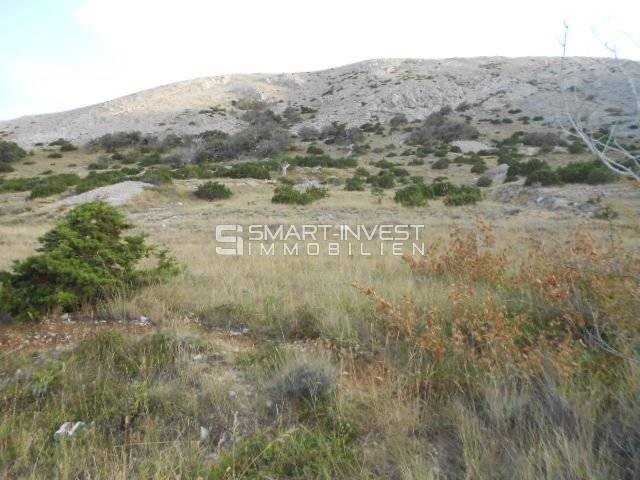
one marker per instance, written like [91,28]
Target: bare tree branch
[609,151]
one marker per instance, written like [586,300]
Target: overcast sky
[62,54]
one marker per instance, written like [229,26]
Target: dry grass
[480,361]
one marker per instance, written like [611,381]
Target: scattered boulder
[116,194]
[497,174]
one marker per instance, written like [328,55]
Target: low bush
[291,195]
[303,382]
[80,261]
[355,184]
[441,164]
[314,150]
[414,195]
[592,173]
[323,161]
[440,126]
[384,179]
[54,185]
[541,139]
[100,179]
[479,168]
[484,181]
[11,152]
[255,170]
[544,177]
[464,195]
[55,155]
[212,191]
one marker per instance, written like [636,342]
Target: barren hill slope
[483,87]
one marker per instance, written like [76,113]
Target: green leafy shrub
[80,261]
[484,181]
[6,168]
[212,191]
[157,176]
[306,381]
[289,194]
[441,164]
[11,152]
[314,150]
[441,126]
[592,173]
[100,179]
[414,195]
[323,161]
[245,170]
[544,177]
[55,155]
[479,168]
[54,185]
[464,195]
[22,184]
[354,184]
[384,179]
[416,162]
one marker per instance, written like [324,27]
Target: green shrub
[592,173]
[414,195]
[314,150]
[80,261]
[383,180]
[484,181]
[22,184]
[306,381]
[577,146]
[354,184]
[11,152]
[101,179]
[212,191]
[479,168]
[54,185]
[289,194]
[245,170]
[544,177]
[464,195]
[6,168]
[416,162]
[323,161]
[361,172]
[157,176]
[441,164]
[441,188]
[54,155]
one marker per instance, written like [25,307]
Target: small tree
[83,259]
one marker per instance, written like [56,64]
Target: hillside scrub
[10,152]
[289,194]
[212,191]
[441,127]
[80,261]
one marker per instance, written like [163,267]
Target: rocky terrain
[483,88]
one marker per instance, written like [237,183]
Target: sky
[61,54]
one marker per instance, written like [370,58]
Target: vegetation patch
[289,194]
[212,191]
[83,259]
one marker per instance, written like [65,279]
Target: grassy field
[510,350]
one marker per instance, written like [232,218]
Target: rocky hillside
[484,88]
